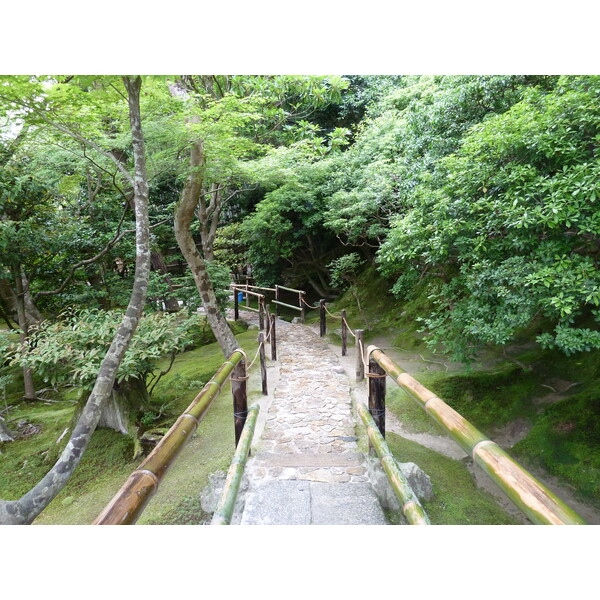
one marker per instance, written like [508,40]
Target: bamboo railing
[224,510]
[129,502]
[539,504]
[411,507]
[301,302]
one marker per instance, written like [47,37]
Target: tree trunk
[126,399]
[158,264]
[5,434]
[32,314]
[184,214]
[29,388]
[29,506]
[8,300]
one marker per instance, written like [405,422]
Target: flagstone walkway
[306,467]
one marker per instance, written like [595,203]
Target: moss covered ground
[457,500]
[564,435]
[109,458]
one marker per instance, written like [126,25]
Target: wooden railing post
[239,387]
[247,295]
[261,316]
[277,298]
[273,337]
[323,321]
[360,344]
[263,366]
[302,306]
[344,334]
[377,378]
[236,305]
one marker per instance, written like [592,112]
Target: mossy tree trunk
[125,400]
[5,433]
[28,507]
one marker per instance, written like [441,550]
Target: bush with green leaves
[507,228]
[70,350]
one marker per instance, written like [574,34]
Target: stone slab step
[308,459]
[291,502]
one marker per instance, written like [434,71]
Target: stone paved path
[306,467]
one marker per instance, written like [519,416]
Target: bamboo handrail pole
[128,503]
[224,511]
[537,502]
[289,289]
[252,293]
[254,287]
[288,305]
[411,507]
[251,308]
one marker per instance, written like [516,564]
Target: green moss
[412,416]
[488,399]
[25,461]
[109,457]
[566,442]
[457,500]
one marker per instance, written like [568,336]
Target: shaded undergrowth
[109,458]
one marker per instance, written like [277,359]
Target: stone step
[291,502]
[270,459]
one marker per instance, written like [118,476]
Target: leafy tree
[33,502]
[510,221]
[70,350]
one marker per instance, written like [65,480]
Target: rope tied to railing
[330,314]
[307,304]
[377,412]
[245,377]
[375,375]
[350,330]
[364,359]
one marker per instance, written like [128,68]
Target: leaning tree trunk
[29,506]
[184,214]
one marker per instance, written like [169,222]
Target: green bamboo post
[322,318]
[539,504]
[129,502]
[411,507]
[360,344]
[344,334]
[225,508]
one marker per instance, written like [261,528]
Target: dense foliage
[483,189]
